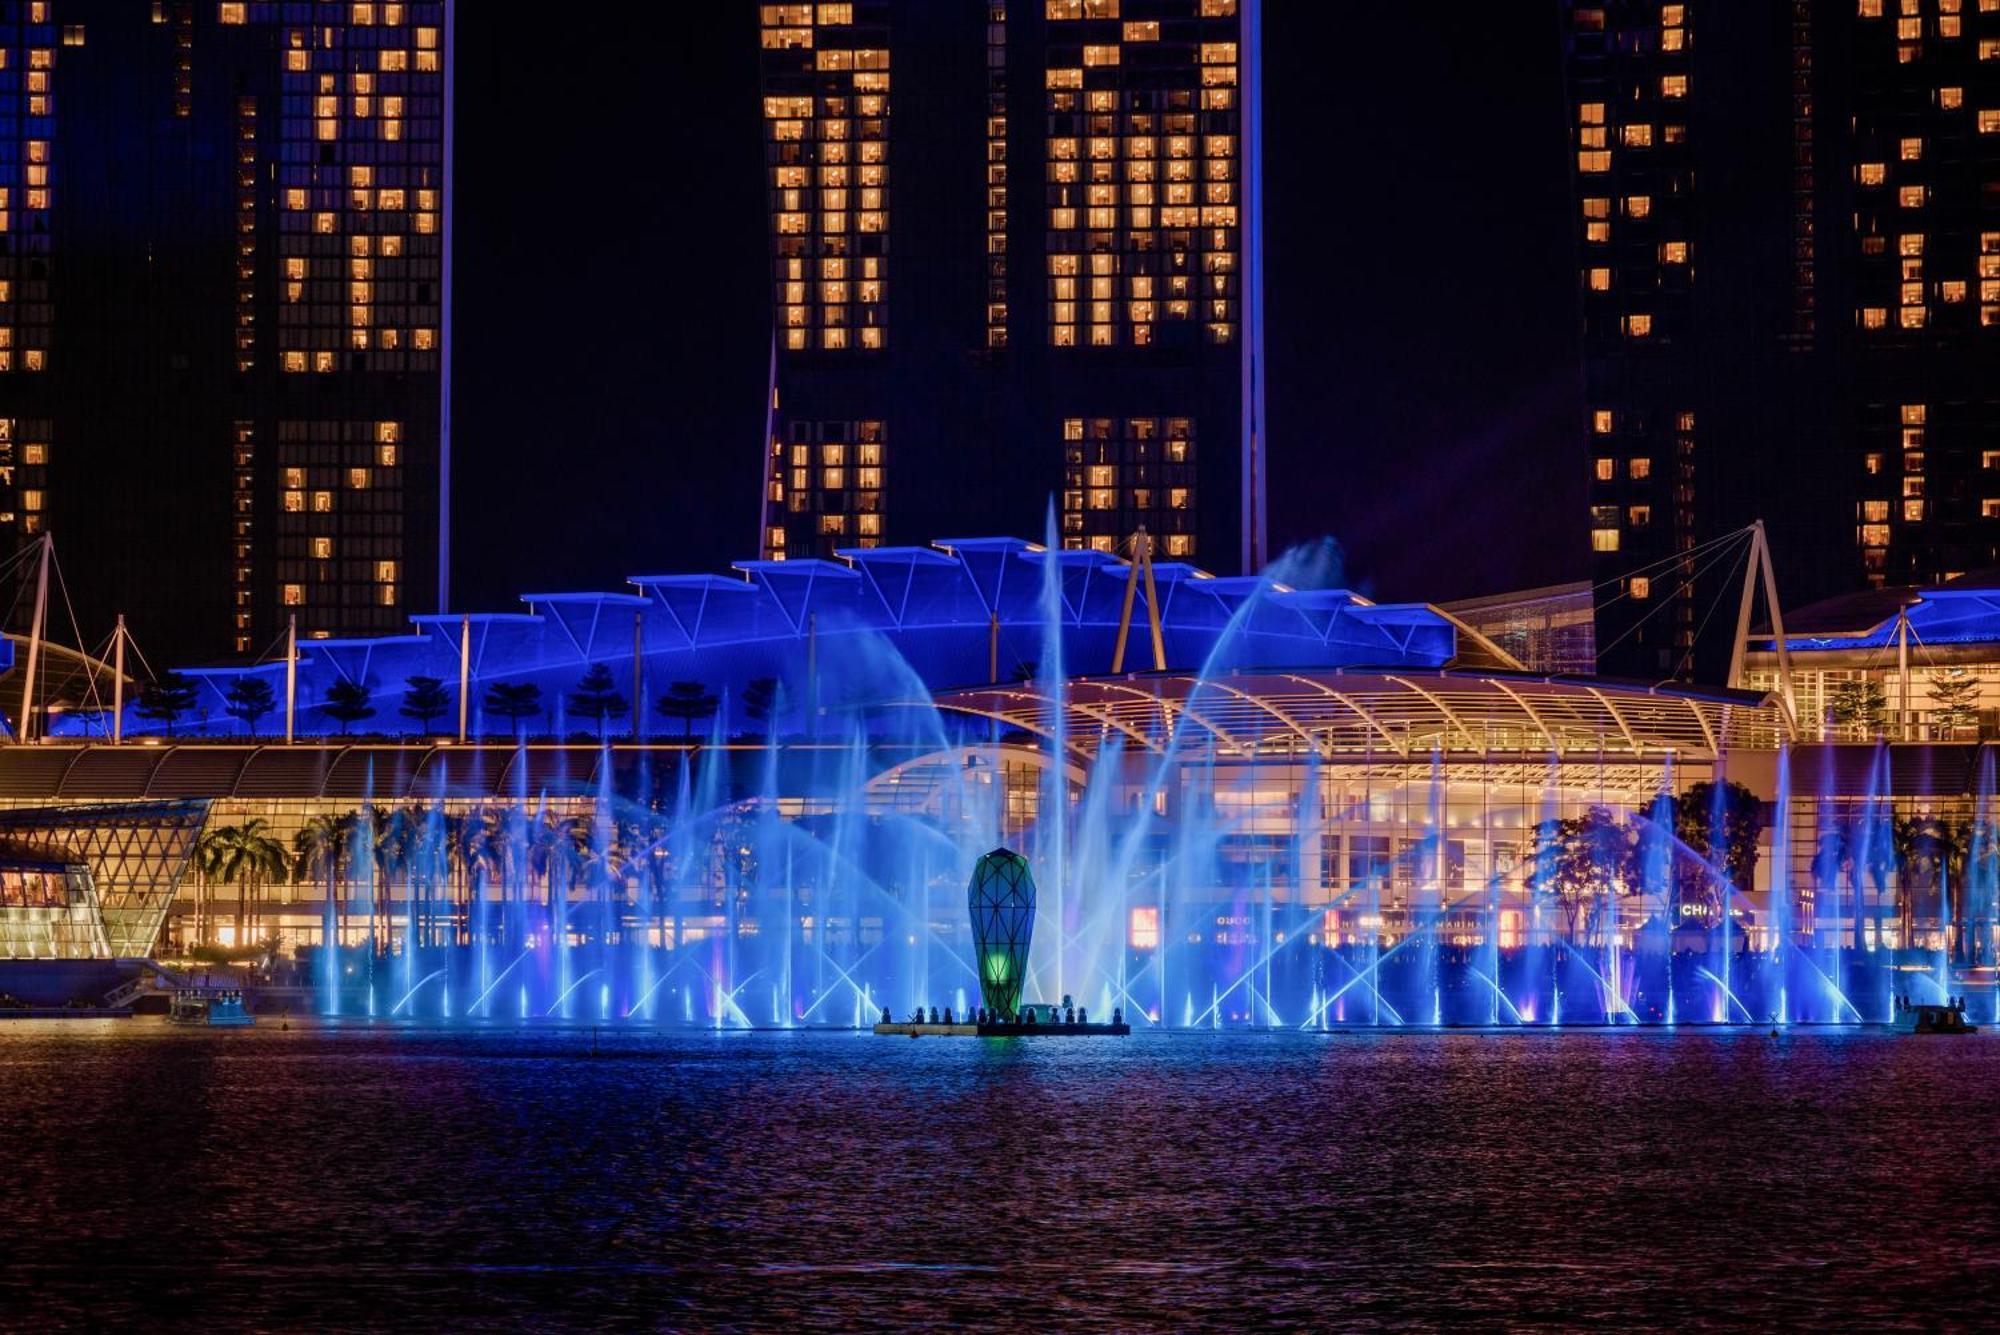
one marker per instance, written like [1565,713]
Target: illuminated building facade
[223,304]
[1015,261]
[1550,629]
[1809,335]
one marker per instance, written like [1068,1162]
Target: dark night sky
[612,318]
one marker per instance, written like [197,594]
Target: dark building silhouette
[223,280]
[1014,260]
[1788,224]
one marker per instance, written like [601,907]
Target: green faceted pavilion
[1001,900]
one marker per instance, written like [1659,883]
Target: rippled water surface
[323,1177]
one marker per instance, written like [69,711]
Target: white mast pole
[118,683]
[35,631]
[464,672]
[291,675]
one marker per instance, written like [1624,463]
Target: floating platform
[914,1030]
[1921,1019]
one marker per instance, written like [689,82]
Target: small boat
[218,1010]
[1922,1018]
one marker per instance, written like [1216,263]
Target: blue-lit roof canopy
[882,622]
[1958,614]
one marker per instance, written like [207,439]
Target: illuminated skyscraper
[1015,263]
[1788,234]
[223,297]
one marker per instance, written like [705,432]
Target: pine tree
[249,700]
[1955,694]
[424,698]
[348,702]
[169,696]
[514,700]
[596,696]
[1859,704]
[687,701]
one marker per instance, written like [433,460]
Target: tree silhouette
[166,698]
[348,702]
[760,698]
[596,696]
[424,698]
[1582,861]
[1698,886]
[687,701]
[249,699]
[514,700]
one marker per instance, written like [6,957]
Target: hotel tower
[1014,269]
[1788,237]
[224,278]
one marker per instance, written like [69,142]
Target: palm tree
[322,849]
[555,850]
[392,839]
[245,856]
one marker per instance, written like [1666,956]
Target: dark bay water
[347,1177]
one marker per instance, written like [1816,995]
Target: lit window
[1604,540]
[295,595]
[1640,587]
[1639,326]
[1600,421]
[1600,280]
[1639,469]
[1673,85]
[1144,933]
[1872,173]
[1606,469]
